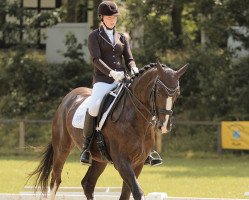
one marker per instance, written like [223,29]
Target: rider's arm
[95,54]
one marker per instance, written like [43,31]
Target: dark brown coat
[106,57]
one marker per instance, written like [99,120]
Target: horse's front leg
[126,192]
[129,177]
[90,179]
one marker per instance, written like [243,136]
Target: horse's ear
[181,71]
[159,68]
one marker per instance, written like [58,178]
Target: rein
[132,96]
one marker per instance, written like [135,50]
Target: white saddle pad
[79,115]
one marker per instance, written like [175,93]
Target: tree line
[177,31]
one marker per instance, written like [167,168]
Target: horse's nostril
[159,124]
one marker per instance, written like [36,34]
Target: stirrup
[85,158]
[154,161]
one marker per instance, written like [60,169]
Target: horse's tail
[43,170]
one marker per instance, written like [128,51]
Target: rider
[106,47]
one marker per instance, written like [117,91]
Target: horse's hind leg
[58,163]
[90,179]
[62,147]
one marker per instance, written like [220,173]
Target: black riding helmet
[108,8]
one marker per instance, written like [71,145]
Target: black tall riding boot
[88,134]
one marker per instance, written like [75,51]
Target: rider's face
[110,21]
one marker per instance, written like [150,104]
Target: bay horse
[149,97]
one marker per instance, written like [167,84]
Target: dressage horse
[149,97]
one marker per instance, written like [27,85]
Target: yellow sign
[235,135]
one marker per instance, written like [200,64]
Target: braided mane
[144,69]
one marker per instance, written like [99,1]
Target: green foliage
[95,13]
[203,85]
[21,79]
[36,135]
[156,28]
[9,146]
[214,87]
[45,19]
[200,20]
[238,90]
[186,138]
[31,87]
[74,49]
[238,12]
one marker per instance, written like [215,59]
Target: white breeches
[98,92]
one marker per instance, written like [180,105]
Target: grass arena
[222,177]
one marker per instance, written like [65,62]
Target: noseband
[169,91]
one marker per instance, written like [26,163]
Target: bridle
[154,111]
[170,93]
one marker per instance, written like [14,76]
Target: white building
[52,38]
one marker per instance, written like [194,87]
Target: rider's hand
[134,71]
[117,76]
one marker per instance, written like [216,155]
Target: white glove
[134,70]
[118,76]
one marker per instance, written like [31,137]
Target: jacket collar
[103,34]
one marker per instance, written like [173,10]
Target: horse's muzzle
[163,127]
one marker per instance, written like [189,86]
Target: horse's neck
[142,86]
